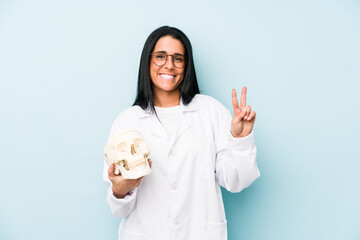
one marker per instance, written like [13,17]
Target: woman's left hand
[243,120]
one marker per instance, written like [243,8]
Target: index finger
[243,98]
[235,102]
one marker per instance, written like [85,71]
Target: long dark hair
[188,87]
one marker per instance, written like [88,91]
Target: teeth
[132,165]
[166,76]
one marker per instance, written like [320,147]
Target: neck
[167,99]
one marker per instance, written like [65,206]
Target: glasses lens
[159,58]
[179,61]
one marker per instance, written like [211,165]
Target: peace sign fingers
[243,119]
[235,102]
[239,113]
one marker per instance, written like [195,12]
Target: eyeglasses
[160,59]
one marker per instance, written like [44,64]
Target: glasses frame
[167,55]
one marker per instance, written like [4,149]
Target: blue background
[67,68]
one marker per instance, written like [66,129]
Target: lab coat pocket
[208,161]
[216,230]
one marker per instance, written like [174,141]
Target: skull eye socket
[140,145]
[121,147]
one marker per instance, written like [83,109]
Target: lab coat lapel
[158,129]
[183,125]
[183,121]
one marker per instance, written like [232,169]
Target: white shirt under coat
[181,198]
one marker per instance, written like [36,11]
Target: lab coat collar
[192,106]
[159,130]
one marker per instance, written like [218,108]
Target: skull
[128,151]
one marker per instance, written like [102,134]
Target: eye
[178,58]
[160,56]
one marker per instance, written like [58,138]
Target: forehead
[169,45]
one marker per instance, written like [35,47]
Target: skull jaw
[136,173]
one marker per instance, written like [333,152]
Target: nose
[133,151]
[169,64]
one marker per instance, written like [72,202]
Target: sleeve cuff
[242,143]
[127,198]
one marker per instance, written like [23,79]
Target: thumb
[111,170]
[150,162]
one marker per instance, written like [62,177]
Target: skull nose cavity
[133,152]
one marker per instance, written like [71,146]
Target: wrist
[238,135]
[119,194]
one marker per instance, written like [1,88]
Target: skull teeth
[136,164]
[132,165]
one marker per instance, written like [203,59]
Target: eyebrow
[166,53]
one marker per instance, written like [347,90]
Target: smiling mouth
[167,76]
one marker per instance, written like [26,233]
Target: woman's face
[167,78]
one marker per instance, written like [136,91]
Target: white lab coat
[181,198]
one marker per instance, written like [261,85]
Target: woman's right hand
[120,186]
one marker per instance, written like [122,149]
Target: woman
[196,147]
